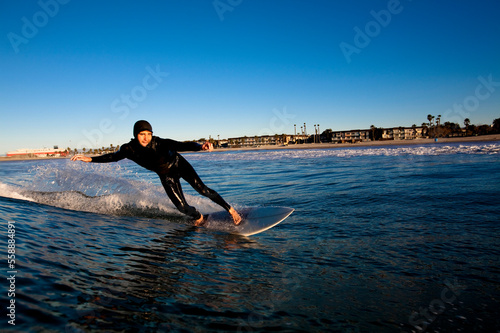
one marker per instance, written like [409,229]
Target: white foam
[103,189]
[416,150]
[112,189]
[12,192]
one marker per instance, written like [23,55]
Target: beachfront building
[365,135]
[351,136]
[45,152]
[328,136]
[402,133]
[263,140]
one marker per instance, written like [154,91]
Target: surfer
[161,156]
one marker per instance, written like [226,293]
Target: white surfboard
[255,219]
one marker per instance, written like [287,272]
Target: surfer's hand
[207,146]
[81,158]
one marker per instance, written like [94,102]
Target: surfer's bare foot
[236,217]
[199,221]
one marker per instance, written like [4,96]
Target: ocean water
[386,239]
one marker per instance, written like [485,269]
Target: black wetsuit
[161,156]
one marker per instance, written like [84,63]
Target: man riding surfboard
[161,156]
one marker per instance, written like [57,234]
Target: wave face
[414,150]
[98,188]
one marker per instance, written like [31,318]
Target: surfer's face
[144,138]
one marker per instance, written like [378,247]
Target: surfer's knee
[208,192]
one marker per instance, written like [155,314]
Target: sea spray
[100,188]
[343,152]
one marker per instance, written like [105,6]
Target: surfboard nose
[259,219]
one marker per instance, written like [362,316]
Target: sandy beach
[483,138]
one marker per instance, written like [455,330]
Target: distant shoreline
[482,138]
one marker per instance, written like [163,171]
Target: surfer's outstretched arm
[106,158]
[81,158]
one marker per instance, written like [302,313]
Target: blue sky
[80,73]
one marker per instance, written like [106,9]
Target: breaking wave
[127,190]
[415,150]
[101,189]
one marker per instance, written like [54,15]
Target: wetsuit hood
[142,125]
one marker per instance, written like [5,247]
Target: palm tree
[466,123]
[496,125]
[438,122]
[425,129]
[430,117]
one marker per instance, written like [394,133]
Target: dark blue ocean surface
[386,239]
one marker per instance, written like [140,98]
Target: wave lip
[9,191]
[410,150]
[91,188]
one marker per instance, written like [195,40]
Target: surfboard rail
[259,219]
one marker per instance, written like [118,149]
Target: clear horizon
[75,74]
